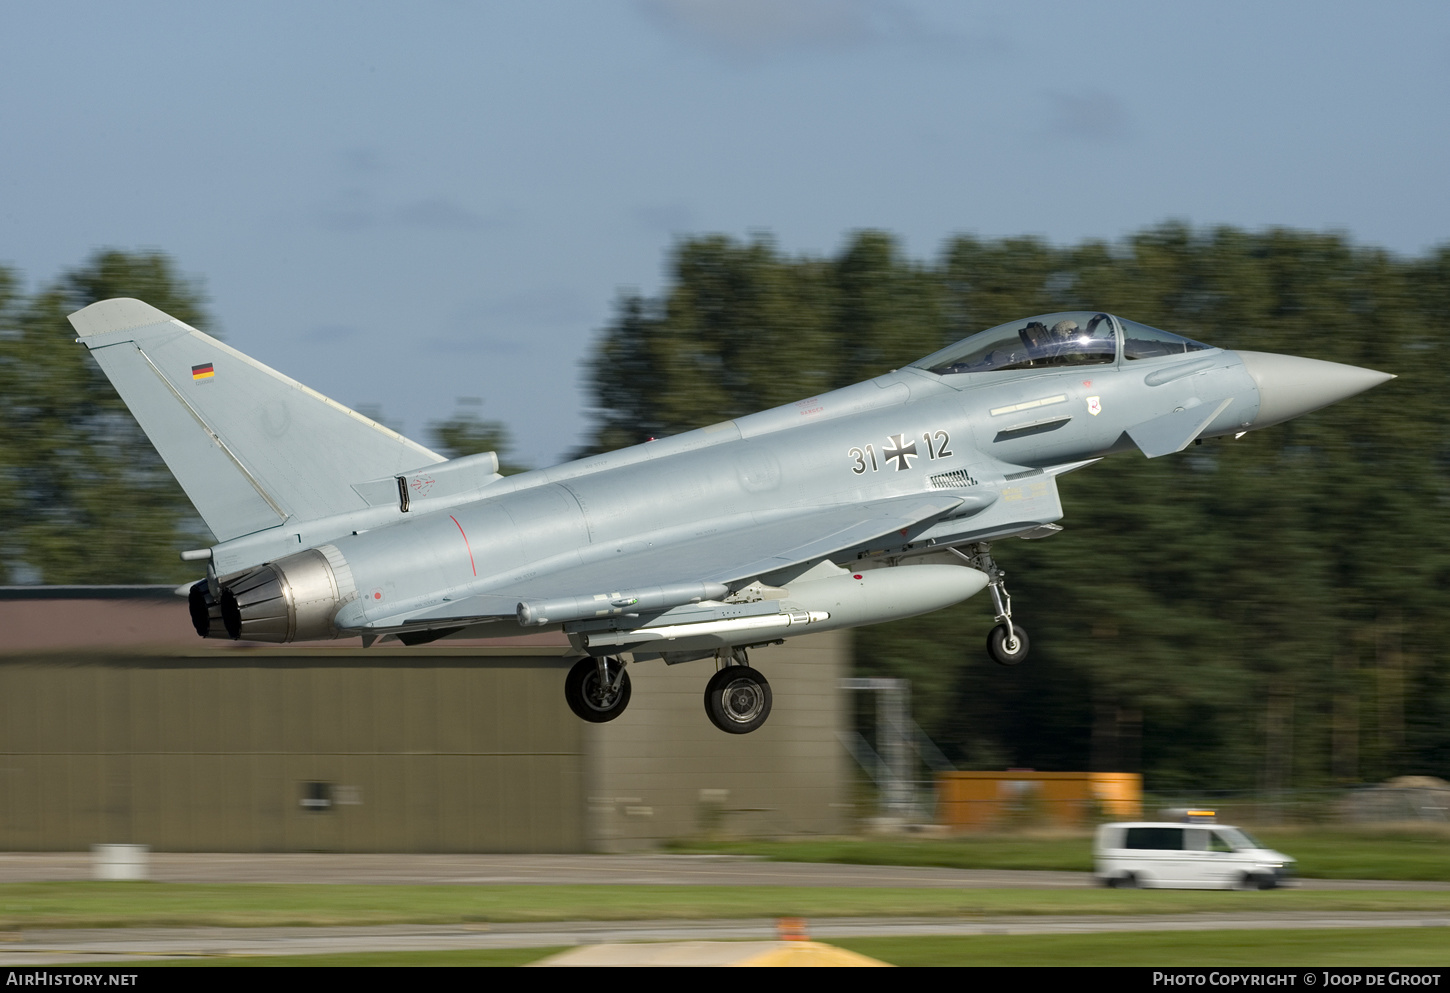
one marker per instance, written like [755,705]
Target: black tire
[589,698]
[1127,881]
[737,699]
[997,645]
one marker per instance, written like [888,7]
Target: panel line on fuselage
[1029,404]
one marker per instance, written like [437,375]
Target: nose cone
[1290,385]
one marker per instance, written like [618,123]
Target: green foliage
[83,496]
[1321,853]
[745,329]
[166,905]
[466,433]
[459,959]
[1393,947]
[1263,613]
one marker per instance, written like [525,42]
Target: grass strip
[1347,947]
[97,904]
[472,957]
[1359,947]
[1395,855]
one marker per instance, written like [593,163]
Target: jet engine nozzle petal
[1290,385]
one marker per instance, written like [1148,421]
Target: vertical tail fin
[251,447]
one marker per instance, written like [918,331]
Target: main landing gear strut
[737,697]
[1006,644]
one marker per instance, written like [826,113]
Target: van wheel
[1249,881]
[1127,881]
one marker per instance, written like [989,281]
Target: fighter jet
[866,504]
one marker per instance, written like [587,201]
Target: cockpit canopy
[1079,337]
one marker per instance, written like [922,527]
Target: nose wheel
[597,689]
[1007,645]
[737,698]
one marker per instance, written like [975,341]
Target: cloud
[361,161]
[349,212]
[478,344]
[439,213]
[515,324]
[751,30]
[752,27]
[1091,115]
[540,307]
[670,218]
[330,334]
[353,211]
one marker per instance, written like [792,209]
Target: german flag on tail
[202,371]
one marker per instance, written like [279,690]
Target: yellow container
[987,801]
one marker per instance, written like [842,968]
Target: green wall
[421,753]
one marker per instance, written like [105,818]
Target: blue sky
[404,204]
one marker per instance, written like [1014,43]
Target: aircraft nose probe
[1290,385]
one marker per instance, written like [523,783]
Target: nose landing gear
[1006,644]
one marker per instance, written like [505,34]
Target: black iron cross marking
[902,453]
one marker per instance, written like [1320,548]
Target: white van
[1187,856]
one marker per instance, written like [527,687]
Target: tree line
[1260,613]
[84,498]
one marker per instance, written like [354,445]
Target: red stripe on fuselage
[465,544]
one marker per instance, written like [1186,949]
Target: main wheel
[737,699]
[592,699]
[1004,652]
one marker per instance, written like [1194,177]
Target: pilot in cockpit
[1035,338]
[1049,346]
[1073,345]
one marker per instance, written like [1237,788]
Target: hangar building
[119,726]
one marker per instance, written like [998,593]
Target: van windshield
[1238,840]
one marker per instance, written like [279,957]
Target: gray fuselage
[905,432]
